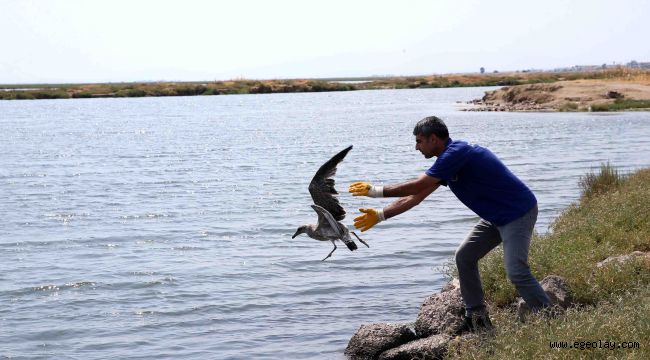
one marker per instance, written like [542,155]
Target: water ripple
[161,227]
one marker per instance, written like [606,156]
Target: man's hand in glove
[366,189]
[370,218]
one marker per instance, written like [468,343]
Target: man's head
[431,136]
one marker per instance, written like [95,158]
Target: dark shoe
[476,323]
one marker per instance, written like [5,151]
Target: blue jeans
[486,236]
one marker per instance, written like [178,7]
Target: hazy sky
[136,40]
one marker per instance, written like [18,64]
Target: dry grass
[593,184]
[623,319]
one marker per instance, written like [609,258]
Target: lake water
[161,227]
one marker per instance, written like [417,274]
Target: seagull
[327,208]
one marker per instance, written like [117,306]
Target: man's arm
[413,187]
[372,217]
[407,202]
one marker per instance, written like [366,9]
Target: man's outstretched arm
[412,187]
[405,203]
[372,217]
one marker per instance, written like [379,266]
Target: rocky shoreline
[439,322]
[440,319]
[483,105]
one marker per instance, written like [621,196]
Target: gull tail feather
[350,244]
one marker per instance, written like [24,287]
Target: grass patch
[569,106]
[624,319]
[622,104]
[611,218]
[34,95]
[599,183]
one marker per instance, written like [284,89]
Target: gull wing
[325,219]
[322,189]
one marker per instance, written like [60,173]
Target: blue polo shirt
[482,182]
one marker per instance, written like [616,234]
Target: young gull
[328,208]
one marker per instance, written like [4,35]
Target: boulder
[373,339]
[623,258]
[453,284]
[440,313]
[612,94]
[432,347]
[558,292]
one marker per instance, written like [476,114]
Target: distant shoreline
[244,86]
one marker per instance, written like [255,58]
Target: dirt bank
[578,95]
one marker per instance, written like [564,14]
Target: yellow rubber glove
[359,188]
[366,189]
[370,218]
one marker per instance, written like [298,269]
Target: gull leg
[358,238]
[330,254]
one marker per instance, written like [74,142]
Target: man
[507,208]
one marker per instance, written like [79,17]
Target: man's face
[427,145]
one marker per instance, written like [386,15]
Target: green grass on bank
[616,105]
[623,321]
[622,104]
[611,218]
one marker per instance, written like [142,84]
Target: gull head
[301,230]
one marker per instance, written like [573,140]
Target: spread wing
[325,220]
[322,189]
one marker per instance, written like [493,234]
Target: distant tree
[496,71]
[604,66]
[482,70]
[633,64]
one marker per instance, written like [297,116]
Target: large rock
[623,258]
[558,292]
[613,94]
[453,284]
[433,347]
[373,339]
[440,314]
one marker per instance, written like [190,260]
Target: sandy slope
[576,95]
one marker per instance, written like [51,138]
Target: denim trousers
[515,237]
